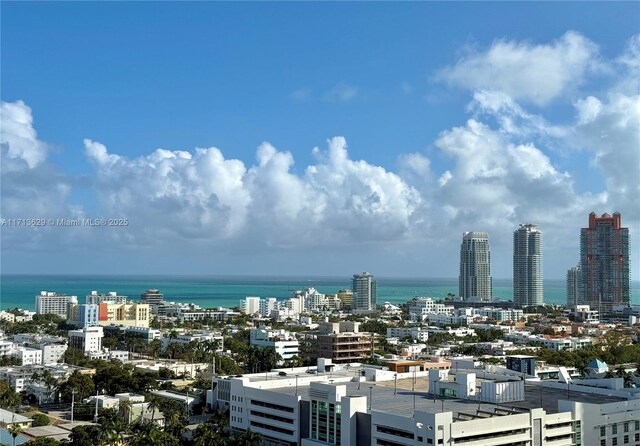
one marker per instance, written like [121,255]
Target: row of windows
[625,439]
[491,435]
[272,406]
[271,428]
[614,428]
[271,417]
[395,432]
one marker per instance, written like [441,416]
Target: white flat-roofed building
[97,298]
[186,338]
[442,319]
[284,342]
[88,339]
[415,333]
[329,407]
[587,315]
[48,302]
[610,424]
[267,306]
[53,353]
[145,333]
[570,344]
[501,314]
[109,355]
[29,356]
[7,316]
[421,307]
[250,305]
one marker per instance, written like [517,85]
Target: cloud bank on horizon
[503,172]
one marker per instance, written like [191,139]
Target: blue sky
[444,107]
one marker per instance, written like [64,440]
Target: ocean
[227,291]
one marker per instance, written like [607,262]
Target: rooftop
[11,417]
[384,396]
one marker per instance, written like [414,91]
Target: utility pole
[73,400]
[95,415]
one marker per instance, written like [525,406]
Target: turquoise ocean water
[227,291]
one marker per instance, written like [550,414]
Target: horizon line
[235,275]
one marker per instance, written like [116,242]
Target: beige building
[342,342]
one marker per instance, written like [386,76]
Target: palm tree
[50,382]
[621,371]
[583,370]
[124,407]
[609,374]
[637,372]
[14,429]
[152,405]
[248,438]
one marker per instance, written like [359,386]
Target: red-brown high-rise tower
[604,262]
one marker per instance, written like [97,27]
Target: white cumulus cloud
[536,73]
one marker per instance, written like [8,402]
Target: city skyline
[301,138]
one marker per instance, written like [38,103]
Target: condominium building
[604,263]
[346,297]
[364,291]
[342,342]
[154,298]
[527,266]
[48,302]
[250,305]
[97,298]
[475,267]
[130,314]
[573,287]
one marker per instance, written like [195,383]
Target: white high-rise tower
[364,291]
[527,265]
[475,267]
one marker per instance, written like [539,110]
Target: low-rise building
[187,338]
[88,339]
[284,342]
[415,333]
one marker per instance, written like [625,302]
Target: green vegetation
[40,419]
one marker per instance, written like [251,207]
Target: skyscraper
[527,265]
[364,292]
[573,287]
[604,261]
[475,267]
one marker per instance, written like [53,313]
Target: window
[626,427]
[638,425]
[603,431]
[637,437]
[603,442]
[614,429]
[614,441]
[626,439]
